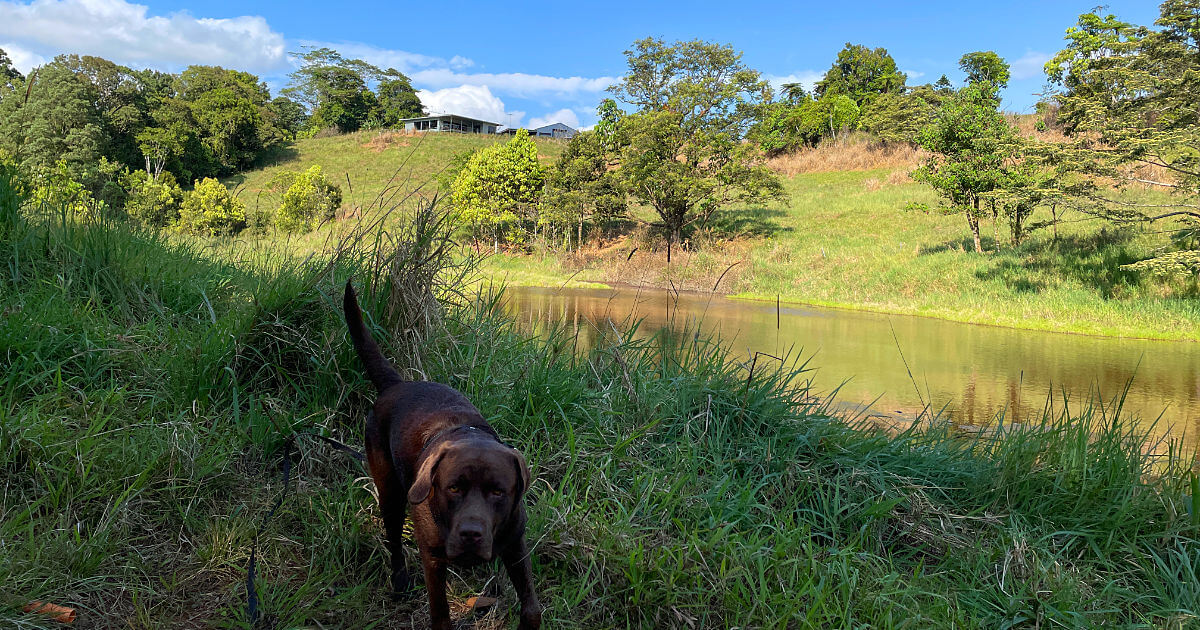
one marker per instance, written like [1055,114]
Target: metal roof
[441,116]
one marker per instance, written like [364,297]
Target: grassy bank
[148,386]
[845,239]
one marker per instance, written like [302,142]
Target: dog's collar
[444,433]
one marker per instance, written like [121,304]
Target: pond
[973,372]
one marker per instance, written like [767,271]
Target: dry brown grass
[386,140]
[854,153]
[1026,125]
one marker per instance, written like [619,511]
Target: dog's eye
[454,488]
[497,492]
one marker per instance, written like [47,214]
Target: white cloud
[1030,65]
[512,83]
[913,74]
[476,101]
[23,60]
[123,32]
[807,78]
[564,116]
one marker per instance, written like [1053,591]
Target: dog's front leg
[435,583]
[520,571]
[392,504]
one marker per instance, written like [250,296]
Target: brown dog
[429,446]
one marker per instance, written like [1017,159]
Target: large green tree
[397,100]
[59,121]
[1131,96]
[336,90]
[862,74]
[496,187]
[683,152]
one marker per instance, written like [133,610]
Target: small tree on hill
[583,185]
[309,199]
[210,210]
[495,186]
[153,201]
[969,143]
[683,153]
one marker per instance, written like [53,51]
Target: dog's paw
[402,585]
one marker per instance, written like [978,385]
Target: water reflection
[974,371]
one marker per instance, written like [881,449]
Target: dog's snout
[471,533]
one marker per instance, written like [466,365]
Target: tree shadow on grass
[272,157]
[746,222]
[1093,260]
[965,244]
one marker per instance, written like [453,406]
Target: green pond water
[972,372]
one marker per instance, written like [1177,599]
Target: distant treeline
[96,118]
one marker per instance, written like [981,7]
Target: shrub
[309,199]
[58,191]
[209,209]
[153,203]
[495,184]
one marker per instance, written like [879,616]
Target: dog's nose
[471,534]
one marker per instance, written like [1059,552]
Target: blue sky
[542,62]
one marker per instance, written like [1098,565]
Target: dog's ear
[423,484]
[522,472]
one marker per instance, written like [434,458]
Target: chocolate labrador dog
[428,446]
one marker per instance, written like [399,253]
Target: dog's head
[474,487]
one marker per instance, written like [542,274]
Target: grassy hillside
[843,238]
[374,168]
[149,385]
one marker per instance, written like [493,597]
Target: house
[448,122]
[553,130]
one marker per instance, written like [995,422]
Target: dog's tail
[381,373]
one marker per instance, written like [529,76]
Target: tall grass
[148,384]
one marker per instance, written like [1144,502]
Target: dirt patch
[384,140]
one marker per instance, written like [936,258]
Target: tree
[153,201]
[210,210]
[985,69]
[583,185]
[287,115]
[336,90]
[968,144]
[120,102]
[59,121]
[495,185]
[899,117]
[10,77]
[229,110]
[397,101]
[793,93]
[862,74]
[683,153]
[309,199]
[1129,94]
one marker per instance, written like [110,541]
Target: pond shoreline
[1032,325]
